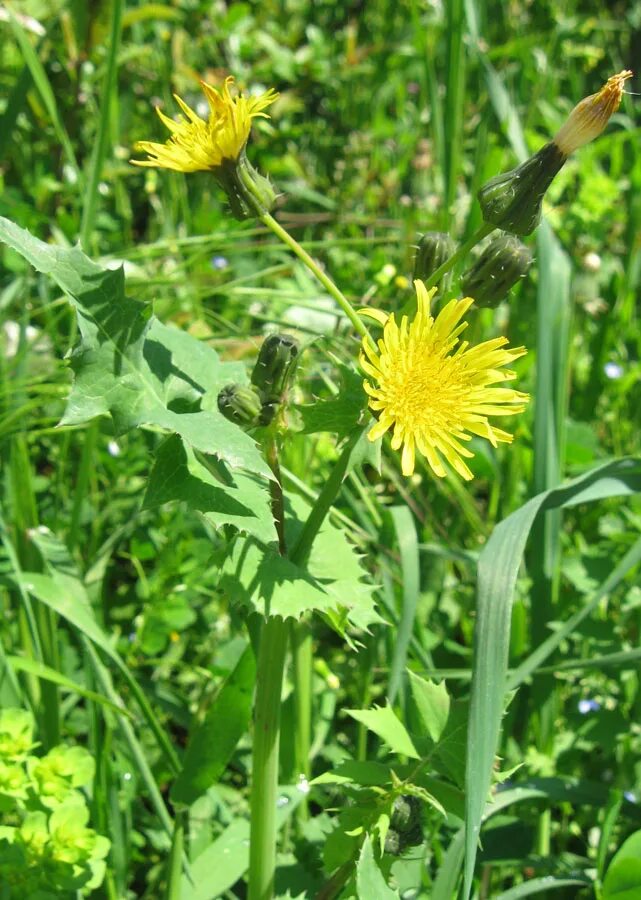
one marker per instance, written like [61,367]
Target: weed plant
[258,639]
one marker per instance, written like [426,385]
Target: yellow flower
[432,393]
[197,145]
[589,117]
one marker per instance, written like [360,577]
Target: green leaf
[339,415]
[224,496]
[130,365]
[405,528]
[623,879]
[384,722]
[223,862]
[23,664]
[212,744]
[433,704]
[364,772]
[498,569]
[259,578]
[370,884]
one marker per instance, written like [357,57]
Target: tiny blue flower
[613,370]
[219,263]
[586,706]
[630,796]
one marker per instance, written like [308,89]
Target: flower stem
[269,686]
[323,502]
[316,270]
[270,222]
[462,251]
[264,799]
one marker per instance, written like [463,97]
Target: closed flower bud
[403,814]
[245,187]
[513,200]
[240,404]
[433,249]
[501,264]
[274,367]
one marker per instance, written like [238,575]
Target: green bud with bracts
[432,251]
[245,187]
[241,404]
[501,264]
[275,366]
[513,200]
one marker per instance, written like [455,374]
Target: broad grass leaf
[498,569]
[433,704]
[370,882]
[623,878]
[224,496]
[131,366]
[211,745]
[384,722]
[32,667]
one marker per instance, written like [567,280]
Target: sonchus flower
[433,391]
[512,201]
[216,145]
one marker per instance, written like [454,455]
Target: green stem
[264,793]
[462,251]
[323,502]
[301,253]
[302,663]
[269,687]
[316,270]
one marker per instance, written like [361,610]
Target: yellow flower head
[196,145]
[589,117]
[434,391]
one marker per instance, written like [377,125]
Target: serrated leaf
[233,498]
[131,366]
[433,704]
[258,578]
[340,414]
[384,722]
[370,882]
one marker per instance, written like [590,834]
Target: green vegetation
[241,653]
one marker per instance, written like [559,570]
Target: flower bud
[274,366]
[245,187]
[433,249]
[240,404]
[498,268]
[513,200]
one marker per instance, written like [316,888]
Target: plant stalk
[332,289]
[264,793]
[462,251]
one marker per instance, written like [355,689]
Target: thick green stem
[462,251]
[302,664]
[264,794]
